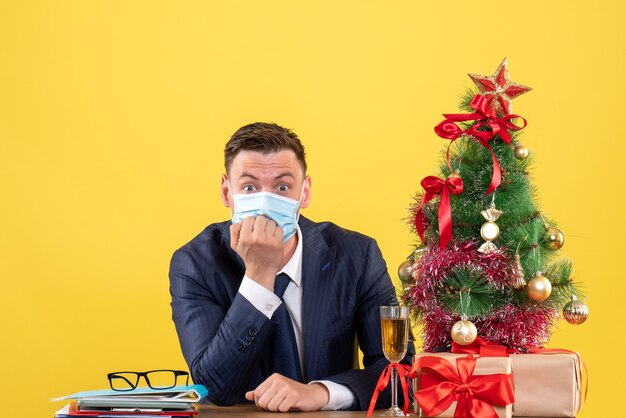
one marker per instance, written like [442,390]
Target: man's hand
[281,394]
[259,242]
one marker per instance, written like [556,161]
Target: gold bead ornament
[553,238]
[521,152]
[405,270]
[539,287]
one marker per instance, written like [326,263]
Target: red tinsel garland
[516,327]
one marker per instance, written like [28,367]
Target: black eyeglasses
[156,379]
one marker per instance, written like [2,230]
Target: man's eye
[248,188]
[283,188]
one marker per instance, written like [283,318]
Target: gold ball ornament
[553,238]
[489,231]
[405,270]
[575,312]
[539,288]
[521,152]
[464,332]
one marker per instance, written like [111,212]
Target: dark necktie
[284,357]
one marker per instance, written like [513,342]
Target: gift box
[547,385]
[444,382]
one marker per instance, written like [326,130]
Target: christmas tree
[487,263]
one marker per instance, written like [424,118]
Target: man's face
[277,172]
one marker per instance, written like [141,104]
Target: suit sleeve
[221,344]
[375,290]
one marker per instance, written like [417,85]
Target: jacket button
[253,332]
[249,338]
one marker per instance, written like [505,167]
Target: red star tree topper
[499,89]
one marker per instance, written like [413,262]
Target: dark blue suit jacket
[225,339]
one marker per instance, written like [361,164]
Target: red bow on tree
[488,126]
[475,395]
[433,187]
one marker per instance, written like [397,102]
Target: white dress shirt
[340,397]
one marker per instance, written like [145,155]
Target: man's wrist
[264,277]
[262,299]
[321,394]
[340,396]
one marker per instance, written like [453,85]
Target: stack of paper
[140,402]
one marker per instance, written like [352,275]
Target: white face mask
[280,209]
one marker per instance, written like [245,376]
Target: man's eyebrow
[278,177]
[249,175]
[285,174]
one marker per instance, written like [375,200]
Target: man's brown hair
[264,138]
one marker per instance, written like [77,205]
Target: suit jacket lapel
[317,269]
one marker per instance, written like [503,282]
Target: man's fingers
[276,399]
[257,228]
[265,398]
[267,391]
[278,233]
[235,231]
[265,230]
[260,390]
[270,228]
[259,225]
[245,232]
[286,405]
[247,225]
[279,393]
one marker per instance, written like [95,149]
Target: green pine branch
[465,291]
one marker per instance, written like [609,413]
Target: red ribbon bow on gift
[433,187]
[383,381]
[487,118]
[475,394]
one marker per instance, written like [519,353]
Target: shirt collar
[292,268]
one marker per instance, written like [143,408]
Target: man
[242,337]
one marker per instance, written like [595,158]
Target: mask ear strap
[300,202]
[228,185]
[301,193]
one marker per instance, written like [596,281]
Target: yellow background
[114,114]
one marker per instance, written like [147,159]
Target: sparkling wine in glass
[394,323]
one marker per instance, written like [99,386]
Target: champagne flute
[394,324]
